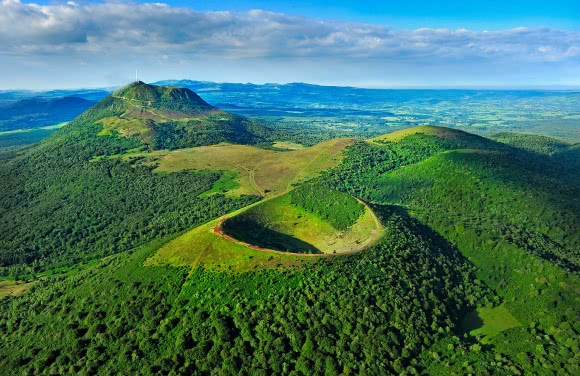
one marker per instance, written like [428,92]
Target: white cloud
[83,43]
[157,29]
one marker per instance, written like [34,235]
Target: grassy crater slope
[274,224]
[282,225]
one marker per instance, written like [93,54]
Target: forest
[340,209]
[60,207]
[373,313]
[474,227]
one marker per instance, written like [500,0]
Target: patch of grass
[489,322]
[227,182]
[423,129]
[13,288]
[143,128]
[259,171]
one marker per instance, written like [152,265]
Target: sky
[382,44]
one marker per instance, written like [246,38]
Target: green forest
[340,209]
[60,207]
[375,311]
[476,273]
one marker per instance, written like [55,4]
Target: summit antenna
[136,76]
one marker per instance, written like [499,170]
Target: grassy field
[489,322]
[287,145]
[424,129]
[202,246]
[259,171]
[13,288]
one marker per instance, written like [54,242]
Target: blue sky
[511,44]
[416,14]
[489,14]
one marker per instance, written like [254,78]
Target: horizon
[544,88]
[370,44]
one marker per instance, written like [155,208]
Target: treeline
[339,209]
[372,313]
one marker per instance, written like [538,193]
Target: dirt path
[289,186]
[141,107]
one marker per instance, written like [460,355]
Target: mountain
[47,184]
[39,112]
[159,117]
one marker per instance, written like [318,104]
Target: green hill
[156,117]
[473,271]
[512,213]
[163,97]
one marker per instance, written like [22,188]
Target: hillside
[512,213]
[455,253]
[123,204]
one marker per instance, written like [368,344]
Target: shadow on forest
[437,245]
[471,321]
